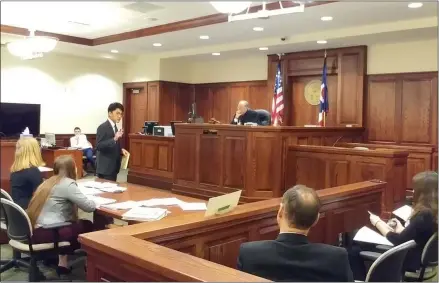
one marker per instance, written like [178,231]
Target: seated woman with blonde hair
[25,175]
[56,201]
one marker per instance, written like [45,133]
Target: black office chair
[429,262]
[264,117]
[19,230]
[16,261]
[388,267]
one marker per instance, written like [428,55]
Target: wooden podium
[211,160]
[49,156]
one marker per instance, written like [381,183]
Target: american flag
[278,100]
[324,105]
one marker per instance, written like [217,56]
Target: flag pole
[324,114]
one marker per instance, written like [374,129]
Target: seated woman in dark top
[25,175]
[421,225]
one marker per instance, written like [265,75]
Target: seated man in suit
[291,257]
[80,141]
[244,114]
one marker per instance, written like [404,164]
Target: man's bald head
[243,106]
[301,206]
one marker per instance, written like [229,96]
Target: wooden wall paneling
[204,101]
[259,96]
[153,110]
[348,65]
[236,94]
[183,101]
[168,92]
[221,104]
[402,108]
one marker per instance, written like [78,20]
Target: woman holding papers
[421,225]
[25,175]
[56,201]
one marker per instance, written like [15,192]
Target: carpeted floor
[78,273]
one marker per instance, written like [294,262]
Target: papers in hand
[124,162]
[368,235]
[100,200]
[145,214]
[121,205]
[45,169]
[403,212]
[193,206]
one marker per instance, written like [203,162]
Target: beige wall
[404,57]
[72,91]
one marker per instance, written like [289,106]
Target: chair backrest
[430,253]
[264,117]
[19,225]
[3,194]
[389,266]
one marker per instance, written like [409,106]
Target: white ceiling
[354,23]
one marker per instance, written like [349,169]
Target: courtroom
[219,141]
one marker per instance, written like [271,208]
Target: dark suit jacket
[292,258]
[108,152]
[251,116]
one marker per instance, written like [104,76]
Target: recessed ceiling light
[114,51]
[204,37]
[216,54]
[263,48]
[258,28]
[157,44]
[415,5]
[322,41]
[326,18]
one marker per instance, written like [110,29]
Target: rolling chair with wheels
[16,261]
[19,230]
[387,267]
[429,262]
[264,117]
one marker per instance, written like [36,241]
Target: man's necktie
[115,129]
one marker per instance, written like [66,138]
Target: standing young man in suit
[291,257]
[109,151]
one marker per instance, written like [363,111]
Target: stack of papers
[193,206]
[105,187]
[100,200]
[160,201]
[145,214]
[121,205]
[403,212]
[368,235]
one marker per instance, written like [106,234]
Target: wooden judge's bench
[205,160]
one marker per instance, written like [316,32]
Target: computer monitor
[50,138]
[173,126]
[149,127]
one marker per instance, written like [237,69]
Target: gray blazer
[108,155]
[59,206]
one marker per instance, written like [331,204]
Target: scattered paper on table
[45,169]
[113,189]
[105,187]
[121,205]
[144,214]
[404,212]
[160,201]
[100,200]
[367,235]
[194,206]
[88,190]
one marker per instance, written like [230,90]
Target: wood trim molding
[144,32]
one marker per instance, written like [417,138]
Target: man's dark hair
[77,128]
[302,206]
[115,105]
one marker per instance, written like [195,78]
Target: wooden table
[138,193]
[190,247]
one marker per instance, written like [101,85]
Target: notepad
[193,206]
[367,235]
[403,212]
[100,200]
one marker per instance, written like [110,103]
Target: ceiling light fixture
[114,51]
[232,7]
[326,18]
[234,10]
[263,48]
[415,5]
[32,46]
[258,28]
[204,37]
[216,54]
[322,41]
[156,44]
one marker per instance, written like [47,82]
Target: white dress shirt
[112,125]
[80,141]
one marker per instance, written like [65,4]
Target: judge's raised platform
[205,160]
